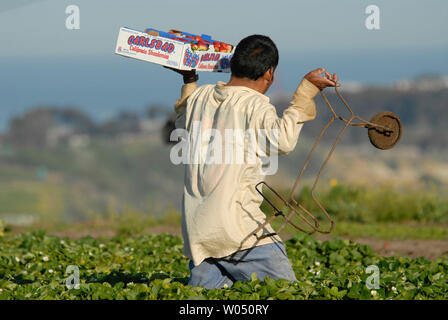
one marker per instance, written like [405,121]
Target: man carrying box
[220,207]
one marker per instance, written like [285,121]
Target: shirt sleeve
[283,133]
[181,103]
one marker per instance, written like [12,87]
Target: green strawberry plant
[33,266]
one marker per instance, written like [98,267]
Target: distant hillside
[58,164]
[424,114]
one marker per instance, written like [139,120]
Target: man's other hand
[327,80]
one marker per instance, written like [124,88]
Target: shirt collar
[221,84]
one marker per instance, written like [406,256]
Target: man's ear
[269,75]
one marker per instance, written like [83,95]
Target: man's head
[255,60]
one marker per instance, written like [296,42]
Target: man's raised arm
[283,132]
[190,78]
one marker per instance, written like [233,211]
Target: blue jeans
[265,260]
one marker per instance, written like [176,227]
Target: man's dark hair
[253,56]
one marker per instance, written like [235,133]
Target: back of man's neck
[245,82]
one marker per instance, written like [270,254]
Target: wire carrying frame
[384,131]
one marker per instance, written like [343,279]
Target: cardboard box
[173,49]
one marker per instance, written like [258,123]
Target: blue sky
[43,63]
[37,28]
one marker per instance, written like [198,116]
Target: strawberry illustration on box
[176,49]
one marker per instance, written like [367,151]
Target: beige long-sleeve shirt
[220,207]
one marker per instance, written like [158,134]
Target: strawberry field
[34,266]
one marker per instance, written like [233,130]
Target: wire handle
[297,208]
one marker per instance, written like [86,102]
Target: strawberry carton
[175,49]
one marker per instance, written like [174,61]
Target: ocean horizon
[104,86]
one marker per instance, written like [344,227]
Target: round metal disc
[381,138]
